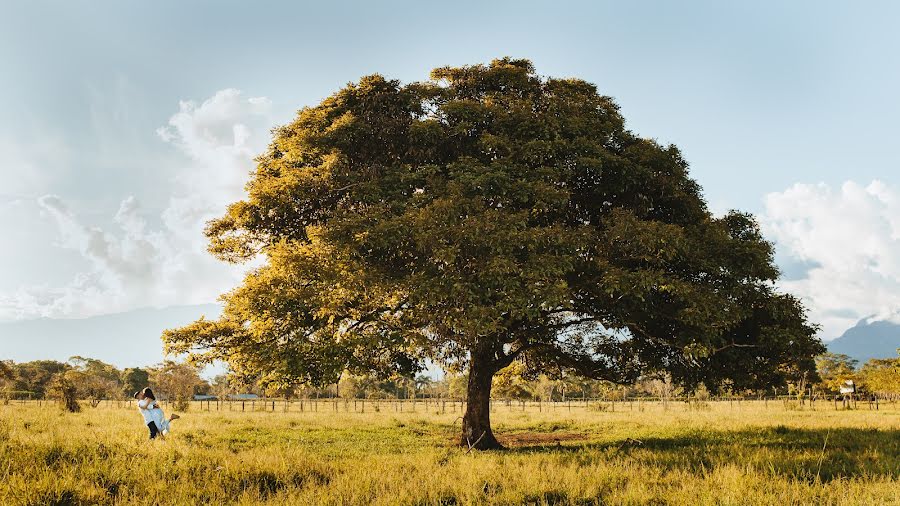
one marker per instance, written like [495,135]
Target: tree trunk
[476,424]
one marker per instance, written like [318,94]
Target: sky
[124,126]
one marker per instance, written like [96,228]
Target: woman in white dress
[153,415]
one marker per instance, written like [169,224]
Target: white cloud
[849,240]
[135,264]
[220,137]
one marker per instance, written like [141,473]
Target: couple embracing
[153,415]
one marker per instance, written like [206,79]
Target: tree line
[92,380]
[880,376]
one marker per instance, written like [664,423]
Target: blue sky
[114,114]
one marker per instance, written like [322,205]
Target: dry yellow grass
[642,454]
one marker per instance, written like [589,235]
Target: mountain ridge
[868,339]
[127,339]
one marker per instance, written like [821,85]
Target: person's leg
[153,430]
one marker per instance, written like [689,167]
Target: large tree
[484,216]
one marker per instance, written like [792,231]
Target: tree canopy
[834,369]
[178,381]
[134,379]
[882,375]
[93,379]
[484,216]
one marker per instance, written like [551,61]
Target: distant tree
[509,383]
[177,381]
[457,385]
[60,387]
[660,387]
[404,386]
[423,385]
[486,216]
[7,379]
[580,387]
[545,388]
[881,375]
[36,376]
[834,369]
[220,386]
[134,379]
[93,379]
[205,388]
[7,371]
[352,386]
[440,387]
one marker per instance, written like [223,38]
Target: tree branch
[734,345]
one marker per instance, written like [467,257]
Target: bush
[181,404]
[63,389]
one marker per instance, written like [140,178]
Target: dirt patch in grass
[539,438]
[530,439]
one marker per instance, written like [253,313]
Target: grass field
[717,453]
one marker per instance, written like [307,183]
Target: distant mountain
[124,339]
[868,339]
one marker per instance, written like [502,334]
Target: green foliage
[881,375]
[62,389]
[221,385]
[509,383]
[134,379]
[457,386]
[373,387]
[7,377]
[35,376]
[834,369]
[7,371]
[176,381]
[93,379]
[484,216]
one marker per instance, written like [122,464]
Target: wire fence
[444,406]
